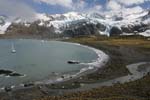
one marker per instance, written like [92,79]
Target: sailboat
[13,48]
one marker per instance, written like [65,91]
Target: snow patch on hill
[4,27]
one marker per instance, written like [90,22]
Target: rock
[118,18]
[9,73]
[101,27]
[8,89]
[73,62]
[149,12]
[81,29]
[52,84]
[28,84]
[20,30]
[115,31]
[63,76]
[15,74]
[5,72]
[126,29]
[135,28]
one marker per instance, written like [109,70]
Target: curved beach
[101,60]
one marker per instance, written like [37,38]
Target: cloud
[133,10]
[131,2]
[19,8]
[120,4]
[71,5]
[85,7]
[113,5]
[79,5]
[98,7]
[16,8]
[95,8]
[63,3]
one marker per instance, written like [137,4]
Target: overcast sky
[28,8]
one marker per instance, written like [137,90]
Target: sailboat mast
[13,48]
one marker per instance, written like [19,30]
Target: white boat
[13,48]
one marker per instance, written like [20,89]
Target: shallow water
[39,59]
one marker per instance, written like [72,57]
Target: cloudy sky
[27,8]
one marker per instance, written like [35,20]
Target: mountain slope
[75,24]
[4,24]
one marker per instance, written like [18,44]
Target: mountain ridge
[75,24]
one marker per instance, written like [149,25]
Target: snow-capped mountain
[4,24]
[74,24]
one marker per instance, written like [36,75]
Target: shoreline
[135,75]
[91,68]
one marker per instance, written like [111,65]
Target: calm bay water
[39,59]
